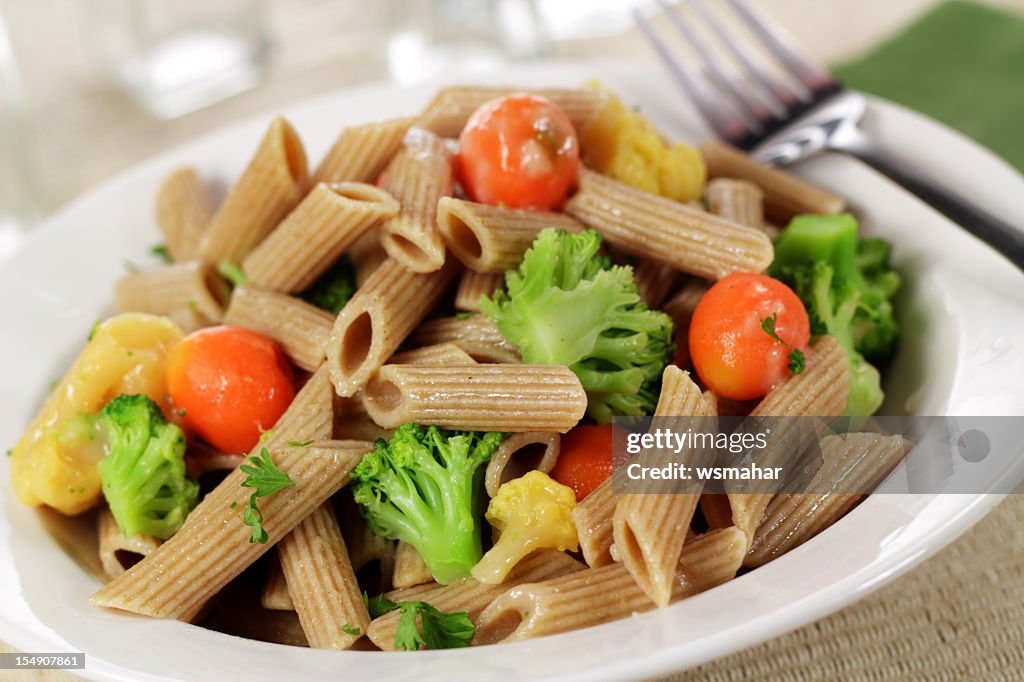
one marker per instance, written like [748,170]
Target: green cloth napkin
[961,63]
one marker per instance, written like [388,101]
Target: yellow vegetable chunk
[532,512]
[56,461]
[624,145]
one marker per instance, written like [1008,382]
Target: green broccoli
[567,305]
[333,289]
[847,286]
[143,474]
[424,487]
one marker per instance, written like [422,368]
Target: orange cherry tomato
[519,151]
[731,350]
[585,458]
[231,383]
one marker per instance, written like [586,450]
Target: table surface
[959,615]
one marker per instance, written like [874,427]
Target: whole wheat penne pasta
[418,175]
[216,542]
[649,529]
[301,328]
[361,152]
[473,285]
[650,226]
[321,582]
[478,335]
[593,517]
[520,453]
[820,390]
[189,319]
[118,553]
[378,318]
[270,187]
[469,595]
[183,210]
[372,556]
[315,233]
[410,569]
[477,397]
[170,288]
[680,308]
[275,595]
[852,461]
[599,595]
[439,354]
[785,194]
[740,201]
[654,280]
[448,112]
[491,238]
[202,460]
[237,611]
[366,254]
[716,510]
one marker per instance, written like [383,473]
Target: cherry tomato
[730,348]
[585,458]
[231,383]
[519,151]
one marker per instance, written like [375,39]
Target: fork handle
[997,233]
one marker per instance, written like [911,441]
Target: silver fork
[780,122]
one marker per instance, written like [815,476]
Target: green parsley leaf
[300,444]
[797,361]
[161,252]
[346,628]
[232,272]
[92,330]
[378,605]
[233,505]
[465,314]
[437,630]
[10,452]
[267,479]
[130,266]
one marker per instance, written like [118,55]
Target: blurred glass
[176,56]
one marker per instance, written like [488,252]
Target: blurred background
[91,86]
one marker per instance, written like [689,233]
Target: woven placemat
[960,615]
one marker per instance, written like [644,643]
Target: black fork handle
[997,233]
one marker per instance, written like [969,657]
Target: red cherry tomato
[232,384]
[518,151]
[584,459]
[733,354]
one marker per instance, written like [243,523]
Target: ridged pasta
[118,553]
[654,280]
[593,517]
[680,308]
[275,595]
[183,210]
[361,152]
[740,201]
[410,569]
[520,453]
[165,290]
[477,334]
[473,285]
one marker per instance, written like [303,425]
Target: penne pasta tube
[370,554]
[654,280]
[478,335]
[216,542]
[315,233]
[649,529]
[473,285]
[477,397]
[170,288]
[410,569]
[189,319]
[852,461]
[377,319]
[785,194]
[275,595]
[301,328]
[270,187]
[740,201]
[183,210]
[491,238]
[469,595]
[362,152]
[321,581]
[680,308]
[599,595]
[593,517]
[649,226]
[520,453]
[438,354]
[366,255]
[118,553]
[448,112]
[418,176]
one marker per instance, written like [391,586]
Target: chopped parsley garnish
[300,444]
[232,272]
[378,605]
[436,630]
[348,629]
[161,252]
[267,479]
[797,361]
[92,330]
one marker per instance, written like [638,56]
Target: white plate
[963,313]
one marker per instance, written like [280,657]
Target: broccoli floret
[334,288]
[144,477]
[424,487]
[568,305]
[847,286]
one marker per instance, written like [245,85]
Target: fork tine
[810,73]
[750,110]
[724,122]
[775,95]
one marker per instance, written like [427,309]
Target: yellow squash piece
[532,512]
[56,461]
